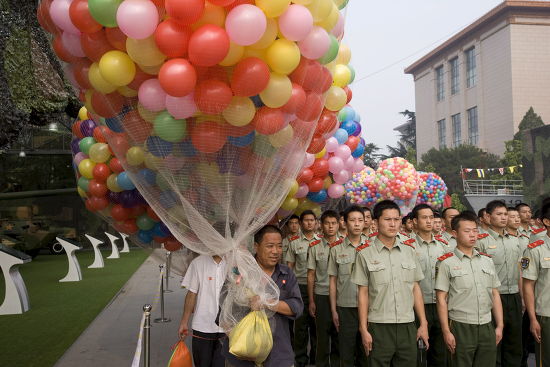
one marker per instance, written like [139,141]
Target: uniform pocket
[344,265]
[488,275]
[408,270]
[379,273]
[459,279]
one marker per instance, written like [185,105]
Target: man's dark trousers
[437,353]
[207,349]
[510,349]
[327,337]
[304,332]
[351,349]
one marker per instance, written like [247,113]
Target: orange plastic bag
[181,357]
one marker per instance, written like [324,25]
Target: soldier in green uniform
[296,258]
[317,287]
[293,226]
[407,225]
[387,272]
[438,224]
[506,253]
[367,228]
[536,290]
[483,221]
[343,293]
[428,249]
[513,228]
[448,214]
[525,216]
[467,291]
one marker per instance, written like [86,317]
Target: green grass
[59,312]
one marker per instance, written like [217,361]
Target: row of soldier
[378,288]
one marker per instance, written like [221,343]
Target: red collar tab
[446,256]
[536,244]
[316,242]
[374,234]
[294,238]
[409,242]
[441,240]
[335,243]
[484,254]
[363,246]
[539,230]
[482,235]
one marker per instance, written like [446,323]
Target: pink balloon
[283,213]
[343,151]
[358,165]
[349,163]
[71,42]
[79,157]
[303,190]
[335,191]
[341,177]
[338,30]
[310,159]
[137,19]
[174,163]
[245,24]
[181,107]
[335,164]
[296,22]
[152,96]
[316,44]
[331,144]
[59,11]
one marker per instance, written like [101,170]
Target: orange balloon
[95,45]
[137,128]
[208,137]
[107,105]
[269,120]
[116,38]
[80,70]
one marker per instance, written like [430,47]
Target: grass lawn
[59,312]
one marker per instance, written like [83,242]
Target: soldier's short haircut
[329,214]
[493,205]
[521,205]
[418,208]
[481,213]
[352,209]
[444,212]
[307,212]
[384,205]
[463,217]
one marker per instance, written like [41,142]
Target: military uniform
[286,243]
[341,263]
[427,254]
[506,252]
[390,275]
[469,283]
[537,234]
[327,337]
[297,254]
[536,266]
[450,241]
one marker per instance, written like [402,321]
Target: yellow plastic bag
[251,338]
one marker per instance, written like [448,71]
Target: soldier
[448,214]
[293,226]
[506,252]
[484,223]
[343,293]
[317,287]
[438,223]
[407,225]
[467,291]
[342,230]
[387,272]
[514,228]
[525,216]
[428,249]
[536,290]
[367,229]
[296,258]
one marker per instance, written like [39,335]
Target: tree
[371,156]
[530,121]
[407,138]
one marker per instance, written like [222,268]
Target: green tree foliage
[407,139]
[457,203]
[371,156]
[529,121]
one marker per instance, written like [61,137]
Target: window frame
[473,139]
[455,75]
[440,83]
[442,133]
[456,129]
[471,67]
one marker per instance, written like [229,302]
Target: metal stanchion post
[162,318]
[168,266]
[147,336]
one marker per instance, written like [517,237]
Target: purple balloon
[74,145]
[139,199]
[357,129]
[87,127]
[363,142]
[114,197]
[164,228]
[127,199]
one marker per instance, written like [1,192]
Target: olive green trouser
[510,349]
[327,337]
[392,345]
[437,353]
[475,345]
[351,349]
[304,332]
[542,350]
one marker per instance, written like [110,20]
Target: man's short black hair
[419,207]
[521,205]
[512,209]
[367,210]
[329,214]
[269,228]
[406,218]
[481,213]
[352,209]
[493,205]
[446,210]
[384,205]
[293,216]
[437,214]
[465,216]
[545,212]
[307,212]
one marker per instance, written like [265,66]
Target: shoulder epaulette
[510,234]
[524,235]
[410,242]
[538,230]
[482,235]
[404,234]
[336,243]
[484,254]
[373,234]
[316,242]
[363,246]
[536,244]
[441,240]
[294,238]
[446,256]
[437,235]
[320,235]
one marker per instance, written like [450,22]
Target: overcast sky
[387,36]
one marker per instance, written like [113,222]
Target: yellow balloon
[82,193]
[320,9]
[250,52]
[321,154]
[293,189]
[268,37]
[151,70]
[152,162]
[234,55]
[127,92]
[212,14]
[331,20]
[117,68]
[88,101]
[111,183]
[98,82]
[200,118]
[240,111]
[86,167]
[273,8]
[336,99]
[283,56]
[135,156]
[341,76]
[83,113]
[278,91]
[282,137]
[145,114]
[99,153]
[302,2]
[145,51]
[317,210]
[344,54]
[290,204]
[327,182]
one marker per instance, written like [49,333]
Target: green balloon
[85,144]
[262,147]
[83,183]
[352,74]
[170,129]
[144,222]
[104,11]
[332,52]
[343,4]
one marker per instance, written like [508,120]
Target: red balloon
[88,205]
[349,93]
[115,166]
[317,144]
[44,18]
[118,144]
[208,45]
[320,168]
[212,96]
[185,12]
[312,76]
[237,3]
[136,211]
[80,70]
[325,80]
[327,122]
[95,45]
[250,77]
[268,120]
[140,77]
[217,72]
[62,53]
[101,133]
[353,142]
[101,172]
[96,188]
[177,77]
[81,17]
[116,38]
[312,108]
[208,137]
[151,213]
[222,2]
[171,244]
[137,128]
[120,213]
[305,176]
[130,226]
[76,129]
[107,105]
[296,101]
[172,38]
[98,203]
[316,184]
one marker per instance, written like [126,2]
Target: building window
[471,67]
[455,76]
[440,83]
[442,133]
[473,131]
[457,130]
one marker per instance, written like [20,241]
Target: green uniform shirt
[317,259]
[390,276]
[523,240]
[427,254]
[340,265]
[297,254]
[469,283]
[506,253]
[537,234]
[286,243]
[536,266]
[451,241]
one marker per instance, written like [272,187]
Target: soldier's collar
[495,234]
[348,242]
[315,237]
[421,240]
[380,246]
[461,254]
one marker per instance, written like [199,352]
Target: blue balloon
[147,175]
[145,236]
[357,117]
[113,123]
[124,181]
[346,114]
[349,126]
[242,141]
[318,197]
[341,135]
[168,199]
[185,148]
[358,151]
[158,230]
[158,147]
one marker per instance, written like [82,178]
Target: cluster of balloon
[397,179]
[432,190]
[361,189]
[107,189]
